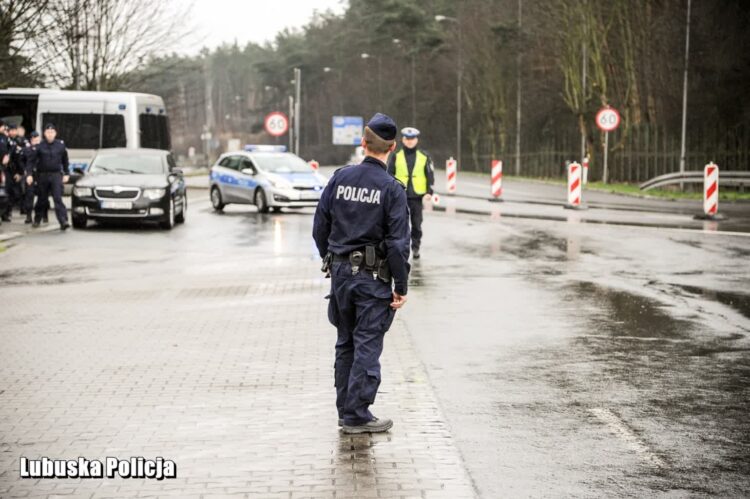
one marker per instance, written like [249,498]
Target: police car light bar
[264,148]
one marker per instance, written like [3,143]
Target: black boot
[374,426]
[28,218]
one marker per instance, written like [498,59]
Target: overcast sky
[219,21]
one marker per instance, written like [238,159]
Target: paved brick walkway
[224,367]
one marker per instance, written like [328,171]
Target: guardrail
[725,178]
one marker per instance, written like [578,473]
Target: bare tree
[91,44]
[21,21]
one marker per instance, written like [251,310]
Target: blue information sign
[347,130]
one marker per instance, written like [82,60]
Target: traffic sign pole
[606,153]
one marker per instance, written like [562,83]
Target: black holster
[376,263]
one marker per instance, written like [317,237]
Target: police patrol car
[266,176]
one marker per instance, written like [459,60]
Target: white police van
[88,121]
[266,176]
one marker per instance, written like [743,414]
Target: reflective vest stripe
[418,174]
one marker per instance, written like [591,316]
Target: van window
[114,131]
[154,131]
[79,131]
[88,131]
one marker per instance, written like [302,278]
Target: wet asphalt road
[570,359]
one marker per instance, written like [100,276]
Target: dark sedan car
[135,184]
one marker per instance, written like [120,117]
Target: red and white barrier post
[314,165]
[450,175]
[496,184]
[711,193]
[574,187]
[585,170]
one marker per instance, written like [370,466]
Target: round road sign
[276,124]
[607,119]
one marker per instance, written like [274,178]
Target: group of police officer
[33,167]
[362,231]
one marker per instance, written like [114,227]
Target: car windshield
[139,164]
[281,163]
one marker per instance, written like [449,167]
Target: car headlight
[83,192]
[153,194]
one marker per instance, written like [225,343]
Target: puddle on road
[532,245]
[737,301]
[629,315]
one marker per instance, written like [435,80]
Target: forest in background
[394,56]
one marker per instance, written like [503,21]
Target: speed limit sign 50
[276,124]
[607,119]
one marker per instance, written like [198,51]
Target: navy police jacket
[50,157]
[364,205]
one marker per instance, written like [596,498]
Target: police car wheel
[168,222]
[79,222]
[277,209]
[180,218]
[216,200]
[260,201]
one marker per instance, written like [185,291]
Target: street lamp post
[413,82]
[684,95]
[297,112]
[459,78]
[380,87]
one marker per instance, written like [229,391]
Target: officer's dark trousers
[13,190]
[51,183]
[415,212]
[28,199]
[360,310]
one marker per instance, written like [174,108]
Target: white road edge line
[619,428]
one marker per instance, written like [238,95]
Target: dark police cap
[50,126]
[383,126]
[34,134]
[12,126]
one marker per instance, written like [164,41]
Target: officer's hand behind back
[398,301]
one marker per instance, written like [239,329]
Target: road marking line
[619,428]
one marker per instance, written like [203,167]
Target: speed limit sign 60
[276,124]
[607,119]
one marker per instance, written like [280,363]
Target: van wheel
[260,201]
[216,201]
[180,218]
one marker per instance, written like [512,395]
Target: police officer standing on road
[4,152]
[413,168]
[12,171]
[361,229]
[20,158]
[29,174]
[50,162]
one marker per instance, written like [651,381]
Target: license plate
[310,195]
[117,205]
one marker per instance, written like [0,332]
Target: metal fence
[635,155]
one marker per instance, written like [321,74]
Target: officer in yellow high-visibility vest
[413,168]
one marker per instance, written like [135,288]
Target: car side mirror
[78,170]
[248,171]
